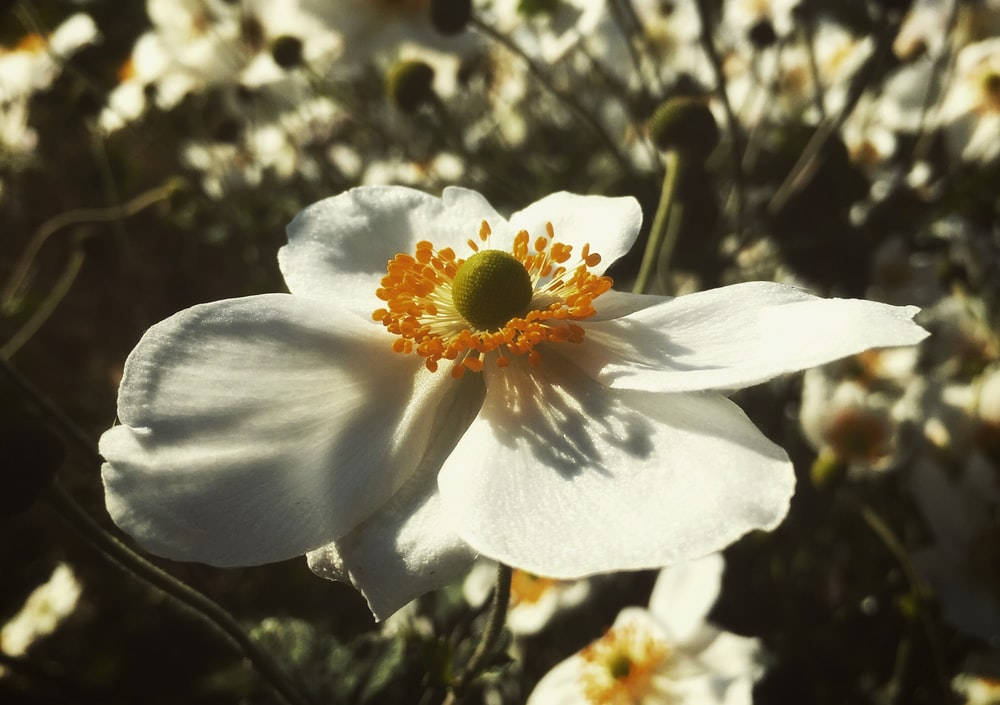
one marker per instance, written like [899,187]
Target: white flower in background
[371,31]
[921,32]
[33,65]
[36,61]
[573,430]
[969,113]
[44,610]
[854,421]
[666,655]
[740,16]
[963,563]
[671,32]
[552,30]
[534,599]
[978,690]
[839,54]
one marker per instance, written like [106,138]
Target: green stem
[918,588]
[494,627]
[661,221]
[97,536]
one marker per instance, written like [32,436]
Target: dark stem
[494,627]
[735,133]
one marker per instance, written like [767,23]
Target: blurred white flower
[575,430]
[44,610]
[969,113]
[33,65]
[666,655]
[847,422]
[534,599]
[36,61]
[978,690]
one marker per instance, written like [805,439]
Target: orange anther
[550,230]
[484,231]
[473,245]
[473,363]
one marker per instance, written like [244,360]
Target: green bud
[450,16]
[490,288]
[684,124]
[762,34]
[409,85]
[287,51]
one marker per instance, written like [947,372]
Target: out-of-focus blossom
[547,30]
[851,411]
[46,608]
[534,600]
[970,110]
[666,655]
[32,65]
[978,690]
[35,62]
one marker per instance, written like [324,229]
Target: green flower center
[620,666]
[490,288]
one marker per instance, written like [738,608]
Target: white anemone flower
[970,111]
[666,655]
[486,392]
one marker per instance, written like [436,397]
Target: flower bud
[762,34]
[450,16]
[409,85]
[287,51]
[684,124]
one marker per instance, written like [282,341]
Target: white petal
[563,685]
[617,304]
[684,593]
[564,477]
[609,225]
[257,429]
[409,546]
[338,247]
[736,336]
[731,656]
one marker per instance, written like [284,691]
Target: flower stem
[494,627]
[115,550]
[658,232]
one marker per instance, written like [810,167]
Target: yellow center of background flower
[620,665]
[492,305]
[528,588]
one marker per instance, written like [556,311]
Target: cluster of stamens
[620,665]
[420,310]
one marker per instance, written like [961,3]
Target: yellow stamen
[619,666]
[419,307]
